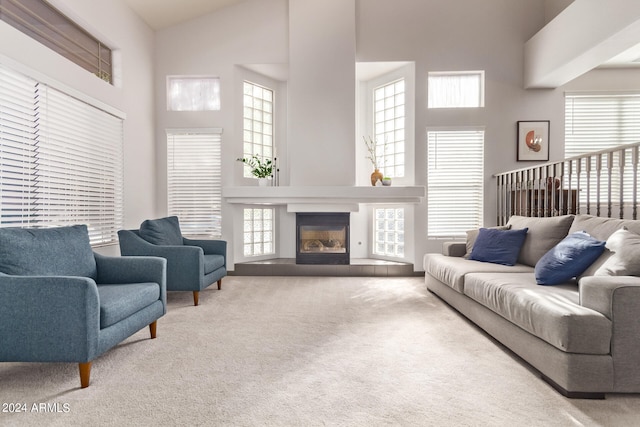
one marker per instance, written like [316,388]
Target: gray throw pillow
[60,251]
[624,260]
[162,231]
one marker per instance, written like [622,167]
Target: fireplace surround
[322,238]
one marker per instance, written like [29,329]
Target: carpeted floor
[304,351]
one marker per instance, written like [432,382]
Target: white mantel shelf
[321,195]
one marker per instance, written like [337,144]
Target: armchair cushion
[162,231]
[61,251]
[212,263]
[117,302]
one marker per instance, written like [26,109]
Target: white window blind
[194,183]
[389,123]
[455,181]
[60,158]
[595,122]
[456,89]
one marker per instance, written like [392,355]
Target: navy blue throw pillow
[498,246]
[568,259]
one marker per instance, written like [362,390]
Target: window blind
[61,160]
[194,183]
[44,23]
[455,181]
[455,89]
[595,122]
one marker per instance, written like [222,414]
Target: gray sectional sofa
[582,335]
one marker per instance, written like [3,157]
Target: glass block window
[257,123]
[190,93]
[456,89]
[389,232]
[258,232]
[389,122]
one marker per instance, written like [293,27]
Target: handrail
[587,183]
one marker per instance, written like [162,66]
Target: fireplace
[322,238]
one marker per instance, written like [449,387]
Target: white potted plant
[263,170]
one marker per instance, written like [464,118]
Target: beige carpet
[291,351]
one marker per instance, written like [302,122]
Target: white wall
[115,24]
[431,34]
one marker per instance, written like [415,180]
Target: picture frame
[533,141]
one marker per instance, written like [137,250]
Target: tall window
[257,123]
[456,89]
[194,180]
[389,232]
[42,22]
[60,158]
[595,122]
[258,231]
[191,93]
[389,125]
[455,181]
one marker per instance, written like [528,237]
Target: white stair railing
[601,183]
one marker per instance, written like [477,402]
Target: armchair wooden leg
[196,295]
[152,329]
[219,284]
[85,374]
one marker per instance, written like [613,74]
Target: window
[61,160]
[455,181]
[42,22]
[189,93]
[257,123]
[258,231]
[595,122]
[389,114]
[194,183]
[389,232]
[464,89]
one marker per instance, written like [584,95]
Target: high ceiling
[159,14]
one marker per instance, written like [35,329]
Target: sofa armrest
[185,264]
[457,249]
[133,269]
[48,319]
[600,293]
[618,298]
[210,247]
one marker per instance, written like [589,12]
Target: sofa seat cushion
[452,270]
[553,314]
[212,263]
[117,302]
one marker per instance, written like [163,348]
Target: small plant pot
[386,182]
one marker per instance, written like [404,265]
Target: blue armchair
[192,265]
[61,302]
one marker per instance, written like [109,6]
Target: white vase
[263,182]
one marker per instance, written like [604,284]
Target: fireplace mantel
[309,198]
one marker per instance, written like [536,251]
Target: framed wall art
[533,140]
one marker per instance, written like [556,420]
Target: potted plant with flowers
[371,148]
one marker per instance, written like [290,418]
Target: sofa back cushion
[162,231]
[602,227]
[61,251]
[543,234]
